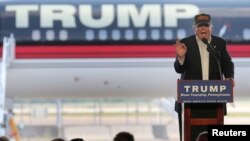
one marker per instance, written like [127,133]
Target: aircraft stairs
[7,124]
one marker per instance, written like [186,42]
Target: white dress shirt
[204,58]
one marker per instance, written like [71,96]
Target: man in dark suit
[197,60]
[193,60]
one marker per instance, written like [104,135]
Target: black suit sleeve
[178,67]
[226,63]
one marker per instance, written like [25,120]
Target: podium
[204,104]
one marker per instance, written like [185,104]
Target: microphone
[209,46]
[205,41]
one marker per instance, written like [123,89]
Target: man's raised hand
[181,49]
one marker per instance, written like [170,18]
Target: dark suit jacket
[191,69]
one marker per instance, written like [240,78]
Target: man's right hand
[181,49]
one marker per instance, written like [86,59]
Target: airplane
[101,49]
[107,48]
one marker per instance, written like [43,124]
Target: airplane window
[155,34]
[168,34]
[116,35]
[129,34]
[142,35]
[103,34]
[63,35]
[89,35]
[181,33]
[50,35]
[36,35]
[246,33]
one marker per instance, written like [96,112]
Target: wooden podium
[198,111]
[195,121]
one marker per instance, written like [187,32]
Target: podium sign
[204,91]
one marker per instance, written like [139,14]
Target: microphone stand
[211,50]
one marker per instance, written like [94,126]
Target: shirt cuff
[181,60]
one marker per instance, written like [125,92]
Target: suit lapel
[197,56]
[212,61]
